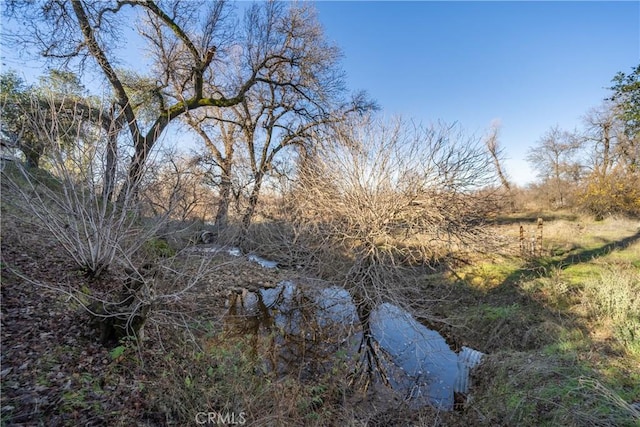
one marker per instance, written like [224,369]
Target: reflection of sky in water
[263,262]
[418,361]
[335,306]
[233,251]
[430,367]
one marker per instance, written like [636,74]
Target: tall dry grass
[613,298]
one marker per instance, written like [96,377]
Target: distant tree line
[596,168]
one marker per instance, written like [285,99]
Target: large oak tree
[201,56]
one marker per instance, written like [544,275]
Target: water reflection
[305,327]
[419,360]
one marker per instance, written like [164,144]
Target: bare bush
[66,199]
[67,195]
[395,195]
[177,187]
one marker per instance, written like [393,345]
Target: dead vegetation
[557,352]
[152,334]
[121,305]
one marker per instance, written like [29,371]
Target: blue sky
[531,65]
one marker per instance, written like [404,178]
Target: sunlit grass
[613,297]
[577,274]
[568,344]
[485,276]
[630,255]
[588,286]
[502,312]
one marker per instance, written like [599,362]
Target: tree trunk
[115,321]
[112,129]
[492,145]
[32,151]
[131,187]
[222,214]
[558,181]
[606,148]
[251,208]
[125,318]
[32,159]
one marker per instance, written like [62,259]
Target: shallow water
[313,323]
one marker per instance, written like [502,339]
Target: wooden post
[532,243]
[522,250]
[539,237]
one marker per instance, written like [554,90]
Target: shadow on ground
[543,267]
[532,217]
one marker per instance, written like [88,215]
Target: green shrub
[158,248]
[614,296]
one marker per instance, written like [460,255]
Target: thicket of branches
[351,197]
[117,246]
[90,177]
[389,196]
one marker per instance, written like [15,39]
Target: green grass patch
[488,275]
[158,248]
[586,290]
[578,274]
[533,389]
[569,343]
[500,312]
[233,374]
[630,255]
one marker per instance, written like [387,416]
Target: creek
[310,322]
[313,323]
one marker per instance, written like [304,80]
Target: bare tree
[554,158]
[176,186]
[190,43]
[220,137]
[601,132]
[393,196]
[493,145]
[281,110]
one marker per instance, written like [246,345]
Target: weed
[534,390]
[503,312]
[627,332]
[567,345]
[157,248]
[614,296]
[489,275]
[117,352]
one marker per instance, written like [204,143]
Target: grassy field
[561,333]
[562,330]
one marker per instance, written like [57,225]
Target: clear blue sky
[531,65]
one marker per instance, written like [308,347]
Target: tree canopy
[201,56]
[626,96]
